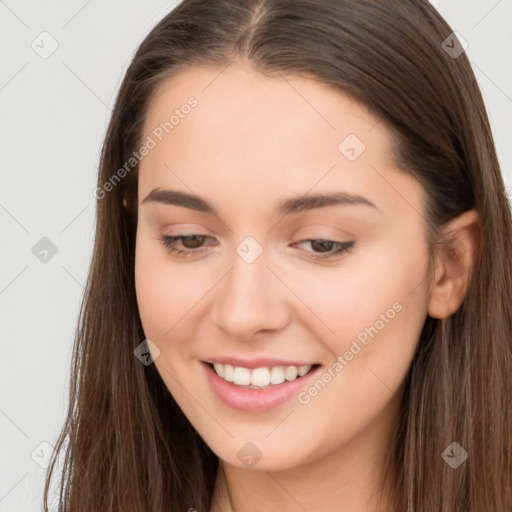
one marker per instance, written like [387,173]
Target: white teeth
[303,370]
[219,368]
[228,372]
[277,375]
[291,373]
[259,377]
[242,376]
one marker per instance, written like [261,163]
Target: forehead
[239,97]
[267,135]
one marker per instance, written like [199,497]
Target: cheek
[379,315]
[164,294]
[383,289]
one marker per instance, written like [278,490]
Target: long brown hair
[126,445]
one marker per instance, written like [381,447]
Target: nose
[250,300]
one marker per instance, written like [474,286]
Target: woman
[300,291]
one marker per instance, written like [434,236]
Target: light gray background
[54,114]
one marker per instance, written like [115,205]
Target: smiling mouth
[260,378]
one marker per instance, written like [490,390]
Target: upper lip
[256,363]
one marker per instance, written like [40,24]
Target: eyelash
[169,243]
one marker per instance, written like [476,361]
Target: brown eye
[322,245]
[184,244]
[323,249]
[192,241]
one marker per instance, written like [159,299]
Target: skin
[251,142]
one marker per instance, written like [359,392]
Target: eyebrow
[285,207]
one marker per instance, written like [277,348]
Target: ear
[455,258]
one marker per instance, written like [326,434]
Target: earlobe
[455,258]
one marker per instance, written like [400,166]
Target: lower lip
[255,400]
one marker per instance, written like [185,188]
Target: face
[277,239]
